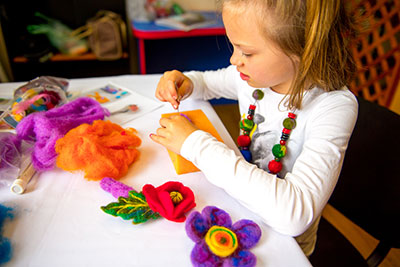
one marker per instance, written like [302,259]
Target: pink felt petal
[152,199]
[159,200]
[170,186]
[166,201]
[186,192]
[183,207]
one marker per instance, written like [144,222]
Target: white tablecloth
[58,220]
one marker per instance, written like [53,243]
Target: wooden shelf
[62,57]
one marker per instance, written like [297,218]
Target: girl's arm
[292,204]
[175,86]
[175,129]
[214,84]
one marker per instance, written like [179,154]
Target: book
[186,21]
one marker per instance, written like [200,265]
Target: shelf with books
[146,31]
[62,57]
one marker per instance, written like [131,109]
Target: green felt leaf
[134,207]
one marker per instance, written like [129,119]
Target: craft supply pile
[46,127]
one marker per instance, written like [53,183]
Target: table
[58,221]
[150,31]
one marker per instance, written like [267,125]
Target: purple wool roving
[45,128]
[117,189]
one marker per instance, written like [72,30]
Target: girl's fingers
[158,139]
[166,92]
[173,87]
[164,122]
[185,89]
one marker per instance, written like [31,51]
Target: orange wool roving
[103,149]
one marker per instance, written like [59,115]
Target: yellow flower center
[176,197]
[221,241]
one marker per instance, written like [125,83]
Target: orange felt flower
[103,149]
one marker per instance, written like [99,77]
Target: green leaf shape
[134,207]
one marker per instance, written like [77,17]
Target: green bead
[246,124]
[289,123]
[258,94]
[279,151]
[178,10]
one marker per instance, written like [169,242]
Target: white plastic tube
[19,185]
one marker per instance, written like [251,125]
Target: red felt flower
[171,200]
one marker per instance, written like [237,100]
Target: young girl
[290,65]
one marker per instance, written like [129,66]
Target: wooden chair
[368,190]
[377,50]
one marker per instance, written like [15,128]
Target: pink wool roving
[45,128]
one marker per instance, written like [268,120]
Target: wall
[204,5]
[5,68]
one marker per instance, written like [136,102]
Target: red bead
[274,166]
[286,131]
[282,142]
[50,106]
[250,117]
[292,115]
[243,140]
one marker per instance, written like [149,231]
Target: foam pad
[201,121]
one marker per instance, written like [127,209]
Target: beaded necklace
[247,125]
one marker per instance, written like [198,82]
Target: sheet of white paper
[129,97]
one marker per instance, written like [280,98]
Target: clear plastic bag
[14,157]
[10,158]
[59,35]
[40,94]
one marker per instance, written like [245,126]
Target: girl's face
[260,62]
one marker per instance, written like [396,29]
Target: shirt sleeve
[292,204]
[214,84]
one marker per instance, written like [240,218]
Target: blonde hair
[314,32]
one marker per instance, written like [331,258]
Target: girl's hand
[173,132]
[173,87]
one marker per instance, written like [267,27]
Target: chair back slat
[376,50]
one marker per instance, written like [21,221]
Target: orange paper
[199,119]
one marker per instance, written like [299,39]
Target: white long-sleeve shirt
[315,152]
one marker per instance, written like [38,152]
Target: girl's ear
[296,60]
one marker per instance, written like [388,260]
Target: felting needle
[178,99]
[127,108]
